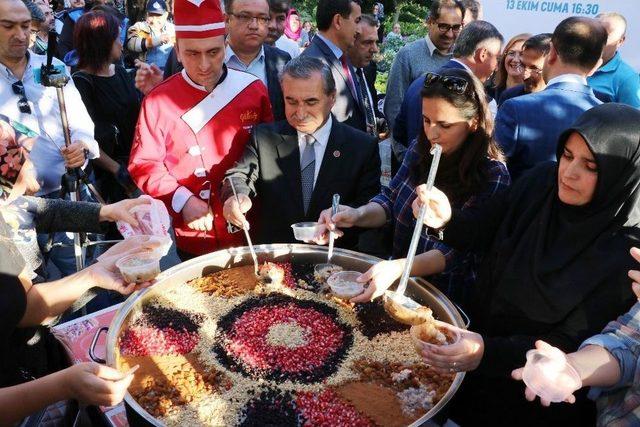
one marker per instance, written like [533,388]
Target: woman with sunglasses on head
[510,70]
[557,246]
[455,116]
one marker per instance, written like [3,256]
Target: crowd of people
[530,227]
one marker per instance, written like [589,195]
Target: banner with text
[513,17]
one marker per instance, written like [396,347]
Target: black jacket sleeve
[369,182]
[246,171]
[504,354]
[53,215]
[474,228]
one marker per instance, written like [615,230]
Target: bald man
[615,80]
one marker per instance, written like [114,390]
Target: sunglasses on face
[23,104]
[451,83]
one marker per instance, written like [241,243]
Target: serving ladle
[245,228]
[397,304]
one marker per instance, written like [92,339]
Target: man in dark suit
[294,167]
[528,127]
[361,56]
[477,50]
[247,28]
[337,22]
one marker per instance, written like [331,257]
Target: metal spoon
[245,228]
[332,235]
[398,297]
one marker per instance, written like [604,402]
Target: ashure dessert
[231,348]
[139,268]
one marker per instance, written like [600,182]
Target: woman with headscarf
[293,29]
[556,267]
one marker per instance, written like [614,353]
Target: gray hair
[473,35]
[303,68]
[369,20]
[616,16]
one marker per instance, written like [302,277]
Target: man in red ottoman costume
[193,127]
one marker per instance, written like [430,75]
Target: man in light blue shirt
[247,30]
[615,80]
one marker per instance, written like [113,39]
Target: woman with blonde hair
[509,72]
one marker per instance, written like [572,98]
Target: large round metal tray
[418,289]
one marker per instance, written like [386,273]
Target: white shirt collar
[432,47]
[229,53]
[321,134]
[186,78]
[568,78]
[6,72]
[466,67]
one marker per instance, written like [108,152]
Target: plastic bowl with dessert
[344,284]
[139,268]
[433,333]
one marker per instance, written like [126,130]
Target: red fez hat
[198,19]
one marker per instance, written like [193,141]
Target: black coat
[347,109]
[270,170]
[275,60]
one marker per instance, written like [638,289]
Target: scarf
[547,256]
[293,35]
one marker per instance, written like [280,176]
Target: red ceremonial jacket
[185,141]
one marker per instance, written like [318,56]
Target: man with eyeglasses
[528,127]
[534,52]
[193,127]
[615,80]
[247,27]
[337,22]
[444,24]
[477,50]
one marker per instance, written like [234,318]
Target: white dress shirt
[568,78]
[257,67]
[321,136]
[45,120]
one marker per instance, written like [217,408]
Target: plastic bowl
[419,341]
[140,267]
[343,284]
[304,231]
[549,375]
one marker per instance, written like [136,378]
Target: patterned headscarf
[293,35]
[16,141]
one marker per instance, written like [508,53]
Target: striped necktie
[307,169]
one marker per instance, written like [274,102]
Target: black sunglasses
[451,83]
[23,104]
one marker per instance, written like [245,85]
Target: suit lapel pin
[336,154]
